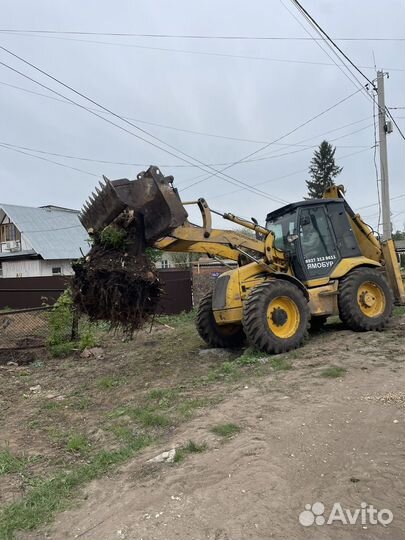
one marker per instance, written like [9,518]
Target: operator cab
[316,234]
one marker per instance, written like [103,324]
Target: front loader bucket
[151,196]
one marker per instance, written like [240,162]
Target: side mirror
[292,238]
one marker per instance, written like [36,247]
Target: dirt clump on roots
[116,282]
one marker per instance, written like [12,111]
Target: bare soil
[304,436]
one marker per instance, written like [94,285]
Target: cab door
[316,246]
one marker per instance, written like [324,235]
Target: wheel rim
[283,317]
[371,299]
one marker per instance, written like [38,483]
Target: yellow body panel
[323,300]
[393,271]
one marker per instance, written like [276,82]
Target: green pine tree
[323,170]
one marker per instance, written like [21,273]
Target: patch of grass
[165,397]
[123,433]
[10,463]
[398,311]
[81,404]
[77,443]
[180,319]
[150,418]
[333,372]
[190,448]
[145,416]
[226,430]
[250,357]
[109,381]
[51,405]
[49,496]
[186,408]
[280,363]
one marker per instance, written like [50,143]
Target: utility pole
[384,128]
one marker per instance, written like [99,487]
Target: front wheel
[365,300]
[226,336]
[275,316]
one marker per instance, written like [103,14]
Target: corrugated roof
[52,233]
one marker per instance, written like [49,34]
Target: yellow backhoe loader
[311,260]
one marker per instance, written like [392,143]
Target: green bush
[62,318]
[113,238]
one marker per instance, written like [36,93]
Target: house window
[56,270]
[9,232]
[165,263]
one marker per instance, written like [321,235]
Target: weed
[109,381]
[51,405]
[61,350]
[87,339]
[10,463]
[77,443]
[190,448]
[123,433]
[113,238]
[180,319]
[225,430]
[187,407]
[250,357]
[333,371]
[149,418]
[398,311]
[60,324]
[280,363]
[164,396]
[81,404]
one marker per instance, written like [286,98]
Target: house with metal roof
[39,241]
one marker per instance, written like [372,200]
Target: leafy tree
[398,235]
[323,170]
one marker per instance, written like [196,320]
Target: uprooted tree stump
[116,282]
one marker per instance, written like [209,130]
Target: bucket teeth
[101,207]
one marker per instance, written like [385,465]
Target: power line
[329,40]
[91,160]
[188,51]
[191,36]
[244,158]
[375,204]
[48,160]
[228,178]
[301,171]
[190,131]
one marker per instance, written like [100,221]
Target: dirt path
[303,439]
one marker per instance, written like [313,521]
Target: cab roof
[294,206]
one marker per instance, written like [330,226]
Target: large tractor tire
[365,300]
[227,336]
[276,316]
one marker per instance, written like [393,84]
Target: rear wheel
[219,336]
[365,300]
[275,317]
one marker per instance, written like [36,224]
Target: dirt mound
[116,282]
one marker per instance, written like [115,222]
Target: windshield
[282,227]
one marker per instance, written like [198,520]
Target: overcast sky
[258,99]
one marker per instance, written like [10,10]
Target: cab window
[283,227]
[317,242]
